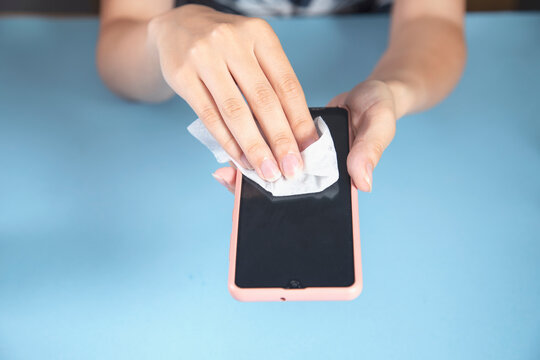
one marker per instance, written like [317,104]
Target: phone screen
[299,241]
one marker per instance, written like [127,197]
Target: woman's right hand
[215,60]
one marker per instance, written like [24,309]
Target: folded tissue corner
[320,162]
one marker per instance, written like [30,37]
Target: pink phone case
[306,294]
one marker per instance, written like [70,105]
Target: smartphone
[300,247]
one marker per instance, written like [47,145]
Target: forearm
[423,62]
[128,61]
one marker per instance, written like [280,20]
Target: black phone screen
[299,241]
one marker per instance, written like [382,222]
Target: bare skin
[151,51]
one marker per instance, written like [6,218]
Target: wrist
[403,93]
[404,97]
[166,23]
[156,80]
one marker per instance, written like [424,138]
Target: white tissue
[320,162]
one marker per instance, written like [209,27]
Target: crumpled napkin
[320,162]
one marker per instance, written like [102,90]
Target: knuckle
[254,149]
[210,117]
[230,146]
[263,30]
[377,148]
[379,109]
[232,108]
[391,130]
[154,26]
[258,23]
[263,97]
[289,86]
[280,139]
[200,48]
[223,31]
[383,117]
[180,79]
[302,126]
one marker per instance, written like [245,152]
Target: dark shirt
[292,7]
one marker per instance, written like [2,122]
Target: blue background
[114,237]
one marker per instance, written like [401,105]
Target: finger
[238,118]
[226,176]
[280,73]
[376,131]
[201,102]
[267,109]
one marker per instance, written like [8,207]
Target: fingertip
[292,165]
[269,170]
[361,173]
[219,179]
[361,184]
[226,176]
[368,176]
[227,173]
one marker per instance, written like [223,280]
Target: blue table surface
[114,237]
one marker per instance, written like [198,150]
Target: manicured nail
[269,170]
[368,177]
[245,162]
[220,180]
[290,165]
[223,182]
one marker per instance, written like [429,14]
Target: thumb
[376,131]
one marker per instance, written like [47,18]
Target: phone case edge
[308,294]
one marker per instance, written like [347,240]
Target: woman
[149,50]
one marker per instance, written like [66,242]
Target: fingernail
[269,170]
[368,177]
[220,180]
[223,182]
[290,165]
[245,162]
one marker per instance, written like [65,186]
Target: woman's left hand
[372,112]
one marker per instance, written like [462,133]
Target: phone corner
[354,290]
[236,292]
